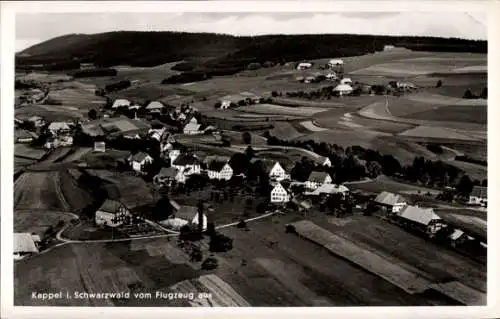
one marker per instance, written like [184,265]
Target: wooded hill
[217,51]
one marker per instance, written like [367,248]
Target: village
[286,183]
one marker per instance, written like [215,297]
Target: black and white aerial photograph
[250,159]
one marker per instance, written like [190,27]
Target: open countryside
[287,173]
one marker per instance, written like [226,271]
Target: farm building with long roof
[422,219]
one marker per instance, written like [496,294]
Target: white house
[111,213]
[157,133]
[192,129]
[25,244]
[279,194]
[391,201]
[99,146]
[346,81]
[277,173]
[304,66]
[332,76]
[139,160]
[37,121]
[479,196]
[59,128]
[329,189]
[120,103]
[335,62]
[316,179]
[187,164]
[193,120]
[219,170]
[191,215]
[173,154]
[343,89]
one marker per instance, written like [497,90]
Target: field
[55,190]
[281,110]
[285,131]
[384,183]
[51,113]
[25,151]
[38,221]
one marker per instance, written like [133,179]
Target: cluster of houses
[59,132]
[421,219]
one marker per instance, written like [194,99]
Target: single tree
[247,138]
[439,83]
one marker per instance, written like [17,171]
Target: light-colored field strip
[281,110]
[472,68]
[436,132]
[462,293]
[312,126]
[370,261]
[438,99]
[222,293]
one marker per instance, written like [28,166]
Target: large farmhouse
[111,213]
[219,170]
[390,201]
[25,244]
[421,219]
[278,173]
[279,194]
[187,215]
[316,179]
[187,164]
[479,196]
[139,160]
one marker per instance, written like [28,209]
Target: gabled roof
[24,243]
[216,166]
[330,189]
[154,105]
[186,212]
[343,87]
[110,206]
[56,126]
[174,204]
[457,233]
[390,199]
[185,159]
[139,157]
[479,191]
[317,177]
[168,172]
[210,158]
[278,186]
[120,102]
[420,215]
[192,127]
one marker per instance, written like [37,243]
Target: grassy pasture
[386,184]
[281,110]
[284,130]
[467,114]
[50,113]
[37,221]
[26,151]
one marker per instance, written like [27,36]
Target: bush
[220,243]
[186,77]
[118,86]
[290,229]
[184,66]
[242,224]
[439,84]
[209,264]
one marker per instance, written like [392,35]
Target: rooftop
[479,191]
[420,215]
[318,177]
[390,199]
[110,206]
[186,212]
[24,243]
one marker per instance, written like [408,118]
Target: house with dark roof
[191,215]
[421,219]
[167,175]
[139,160]
[112,213]
[390,201]
[188,164]
[316,179]
[479,196]
[219,170]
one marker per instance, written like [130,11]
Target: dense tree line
[231,53]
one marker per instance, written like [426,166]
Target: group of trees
[468,94]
